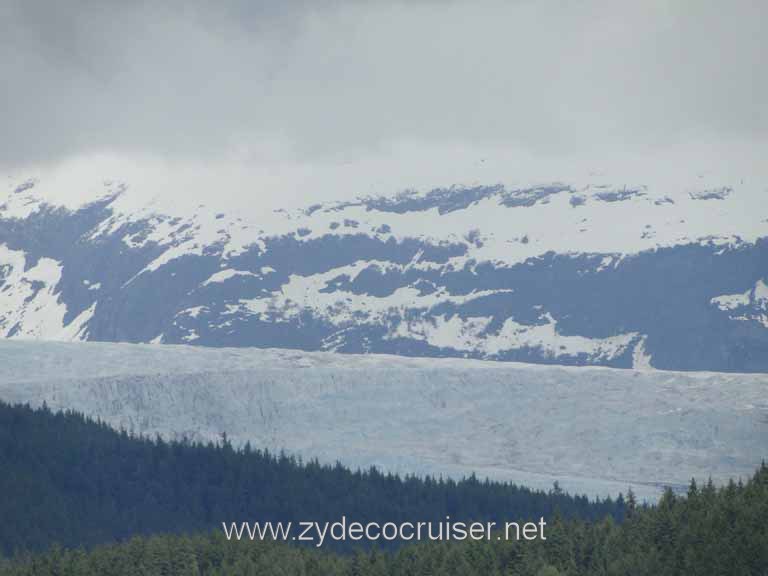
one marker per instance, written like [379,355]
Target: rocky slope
[593,274]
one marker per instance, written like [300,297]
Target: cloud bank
[329,83]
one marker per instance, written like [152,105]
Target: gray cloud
[335,79]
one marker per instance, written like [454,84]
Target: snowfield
[595,430]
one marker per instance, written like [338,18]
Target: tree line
[69,480]
[708,532]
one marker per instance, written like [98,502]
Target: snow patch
[29,301]
[192,312]
[749,306]
[732,301]
[77,329]
[304,293]
[191,336]
[641,360]
[470,334]
[224,275]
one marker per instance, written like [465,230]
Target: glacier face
[580,275]
[595,430]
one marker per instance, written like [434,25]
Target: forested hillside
[72,481]
[711,532]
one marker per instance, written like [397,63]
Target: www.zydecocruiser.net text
[344,531]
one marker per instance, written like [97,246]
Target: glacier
[595,430]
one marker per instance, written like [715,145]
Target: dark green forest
[709,532]
[71,481]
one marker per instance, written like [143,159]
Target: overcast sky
[280,94]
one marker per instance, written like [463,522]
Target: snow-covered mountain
[595,430]
[594,274]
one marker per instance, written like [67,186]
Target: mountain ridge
[597,275]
